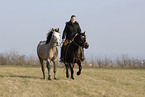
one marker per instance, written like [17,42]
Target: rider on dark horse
[72,27]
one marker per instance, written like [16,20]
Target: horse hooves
[55,78]
[78,73]
[72,78]
[67,76]
[49,78]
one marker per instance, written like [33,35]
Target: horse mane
[49,37]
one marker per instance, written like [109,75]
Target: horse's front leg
[72,70]
[48,67]
[80,67]
[67,72]
[54,70]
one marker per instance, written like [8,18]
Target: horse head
[80,40]
[56,36]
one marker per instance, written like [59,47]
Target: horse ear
[84,32]
[58,29]
[53,30]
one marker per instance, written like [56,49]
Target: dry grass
[24,81]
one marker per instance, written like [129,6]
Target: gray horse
[47,50]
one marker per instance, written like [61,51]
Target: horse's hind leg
[48,67]
[42,67]
[80,67]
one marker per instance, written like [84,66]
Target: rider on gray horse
[72,27]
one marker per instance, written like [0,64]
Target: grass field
[23,81]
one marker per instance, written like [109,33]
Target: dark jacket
[70,29]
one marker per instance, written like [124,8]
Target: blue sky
[113,27]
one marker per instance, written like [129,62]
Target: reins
[70,43]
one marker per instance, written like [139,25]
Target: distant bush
[13,58]
[123,61]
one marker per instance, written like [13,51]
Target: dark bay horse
[72,53]
[47,50]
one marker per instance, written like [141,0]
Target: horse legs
[80,67]
[48,67]
[67,72]
[42,67]
[72,70]
[82,54]
[54,70]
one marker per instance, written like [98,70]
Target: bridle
[75,42]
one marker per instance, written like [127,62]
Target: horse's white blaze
[57,37]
